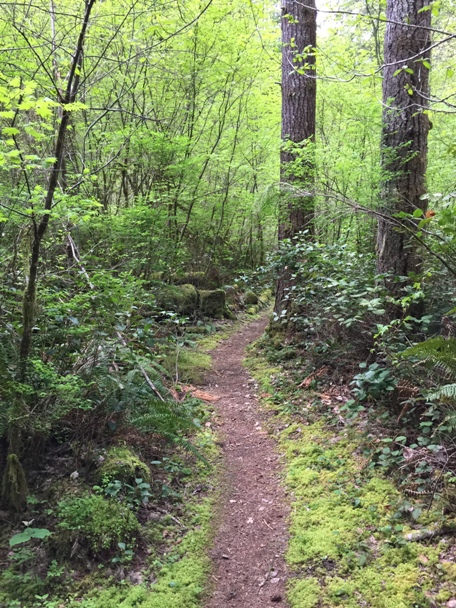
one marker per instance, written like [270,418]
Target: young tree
[296,212]
[405,133]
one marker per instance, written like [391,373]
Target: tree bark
[14,480]
[405,134]
[29,302]
[299,86]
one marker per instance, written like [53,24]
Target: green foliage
[28,534]
[166,418]
[134,495]
[440,352]
[373,383]
[95,521]
[336,295]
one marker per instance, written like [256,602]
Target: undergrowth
[349,522]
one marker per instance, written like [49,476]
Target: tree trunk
[296,211]
[14,480]
[405,134]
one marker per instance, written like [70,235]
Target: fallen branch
[419,535]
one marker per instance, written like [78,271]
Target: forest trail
[249,568]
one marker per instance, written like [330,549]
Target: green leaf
[10,131]
[27,535]
[75,106]
[417,213]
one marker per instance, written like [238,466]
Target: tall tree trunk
[405,134]
[14,481]
[296,212]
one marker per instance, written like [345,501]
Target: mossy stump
[14,486]
[250,298]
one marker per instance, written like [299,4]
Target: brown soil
[248,555]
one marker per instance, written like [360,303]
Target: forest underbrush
[357,537]
[118,502]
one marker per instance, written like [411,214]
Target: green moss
[14,483]
[198,279]
[180,583]
[180,298]
[305,593]
[213,303]
[93,520]
[192,365]
[123,464]
[342,525]
[250,298]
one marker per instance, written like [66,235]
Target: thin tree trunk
[14,482]
[41,227]
[405,133]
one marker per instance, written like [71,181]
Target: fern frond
[448,390]
[187,445]
[164,417]
[439,351]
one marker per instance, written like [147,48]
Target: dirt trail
[249,568]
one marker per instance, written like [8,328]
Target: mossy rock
[123,464]
[250,298]
[179,298]
[230,293]
[157,276]
[213,303]
[192,365]
[197,279]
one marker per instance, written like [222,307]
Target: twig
[149,382]
[74,253]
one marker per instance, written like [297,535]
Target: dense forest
[169,172]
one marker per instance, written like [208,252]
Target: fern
[168,419]
[448,390]
[441,353]
[164,417]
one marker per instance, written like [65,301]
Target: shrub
[96,521]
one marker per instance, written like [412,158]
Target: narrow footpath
[249,568]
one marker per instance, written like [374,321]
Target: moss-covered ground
[177,579]
[348,523]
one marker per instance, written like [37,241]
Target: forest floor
[249,567]
[304,518]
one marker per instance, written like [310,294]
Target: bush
[95,521]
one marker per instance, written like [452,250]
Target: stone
[213,303]
[250,298]
[183,299]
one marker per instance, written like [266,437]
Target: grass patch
[347,524]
